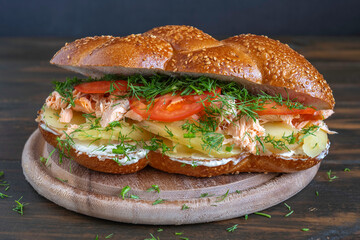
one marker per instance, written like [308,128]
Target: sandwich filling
[197,121]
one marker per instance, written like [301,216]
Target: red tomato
[274,108]
[171,108]
[102,86]
[140,107]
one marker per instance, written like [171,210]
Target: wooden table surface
[25,81]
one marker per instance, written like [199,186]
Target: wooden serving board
[97,194]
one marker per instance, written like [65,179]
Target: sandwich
[181,101]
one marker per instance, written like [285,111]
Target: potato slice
[51,118]
[126,132]
[281,135]
[175,133]
[315,144]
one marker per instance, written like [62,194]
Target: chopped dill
[19,207]
[184,207]
[158,201]
[124,191]
[152,237]
[307,131]
[222,197]
[2,196]
[154,188]
[233,228]
[262,214]
[206,195]
[331,178]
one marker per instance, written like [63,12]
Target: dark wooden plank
[25,81]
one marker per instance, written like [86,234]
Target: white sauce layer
[103,152]
[46,128]
[208,162]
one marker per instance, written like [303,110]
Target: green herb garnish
[331,178]
[290,210]
[124,191]
[2,196]
[158,201]
[19,207]
[62,180]
[233,228]
[263,214]
[152,237]
[109,236]
[222,197]
[184,207]
[206,195]
[154,188]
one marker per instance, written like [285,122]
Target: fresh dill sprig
[331,178]
[152,237]
[154,188]
[290,210]
[19,207]
[184,207]
[262,214]
[2,196]
[46,160]
[222,197]
[61,180]
[109,236]
[158,201]
[307,131]
[232,229]
[277,144]
[124,191]
[206,195]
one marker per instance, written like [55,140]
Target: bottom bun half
[185,166]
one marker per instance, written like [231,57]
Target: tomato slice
[273,108]
[141,107]
[102,86]
[171,108]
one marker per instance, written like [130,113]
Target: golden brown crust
[248,163]
[134,51]
[184,38]
[257,62]
[107,165]
[222,60]
[283,67]
[73,52]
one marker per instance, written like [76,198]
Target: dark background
[76,18]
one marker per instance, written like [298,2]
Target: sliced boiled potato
[281,137]
[182,151]
[51,118]
[175,133]
[315,143]
[126,132]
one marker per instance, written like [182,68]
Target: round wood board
[97,194]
